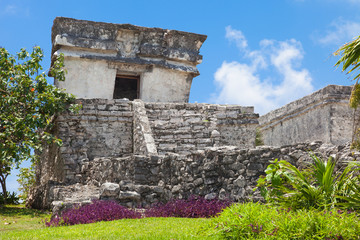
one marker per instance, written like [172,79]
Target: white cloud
[10,9]
[14,10]
[242,83]
[237,36]
[341,32]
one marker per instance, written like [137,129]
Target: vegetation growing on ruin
[258,138]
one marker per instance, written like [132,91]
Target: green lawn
[17,217]
[27,224]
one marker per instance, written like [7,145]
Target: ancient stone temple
[135,134]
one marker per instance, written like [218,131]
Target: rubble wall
[224,172]
[324,115]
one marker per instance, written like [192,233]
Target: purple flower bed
[194,207]
[95,212]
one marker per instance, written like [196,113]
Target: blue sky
[258,53]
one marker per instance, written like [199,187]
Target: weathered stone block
[109,190]
[129,195]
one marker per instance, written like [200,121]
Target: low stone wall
[324,115]
[184,127]
[224,172]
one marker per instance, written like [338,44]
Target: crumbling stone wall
[324,115]
[224,172]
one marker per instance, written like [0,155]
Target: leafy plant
[259,221]
[95,212]
[258,138]
[317,186]
[350,60]
[26,180]
[351,200]
[28,105]
[9,198]
[193,207]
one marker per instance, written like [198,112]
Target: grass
[17,217]
[260,221]
[239,221]
[146,228]
[28,225]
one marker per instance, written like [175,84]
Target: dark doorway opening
[126,87]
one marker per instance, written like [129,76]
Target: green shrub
[11,198]
[258,221]
[317,186]
[26,180]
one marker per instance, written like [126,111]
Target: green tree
[26,180]
[28,106]
[350,61]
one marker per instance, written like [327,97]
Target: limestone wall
[224,172]
[324,115]
[118,128]
[103,128]
[140,145]
[181,128]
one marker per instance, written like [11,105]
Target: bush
[194,207]
[317,186]
[257,221]
[11,198]
[95,212]
[26,180]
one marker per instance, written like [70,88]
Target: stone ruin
[324,115]
[136,140]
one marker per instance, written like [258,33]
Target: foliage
[318,186]
[350,60]
[26,180]
[193,207]
[95,212]
[28,105]
[257,221]
[350,57]
[9,198]
[258,138]
[352,199]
